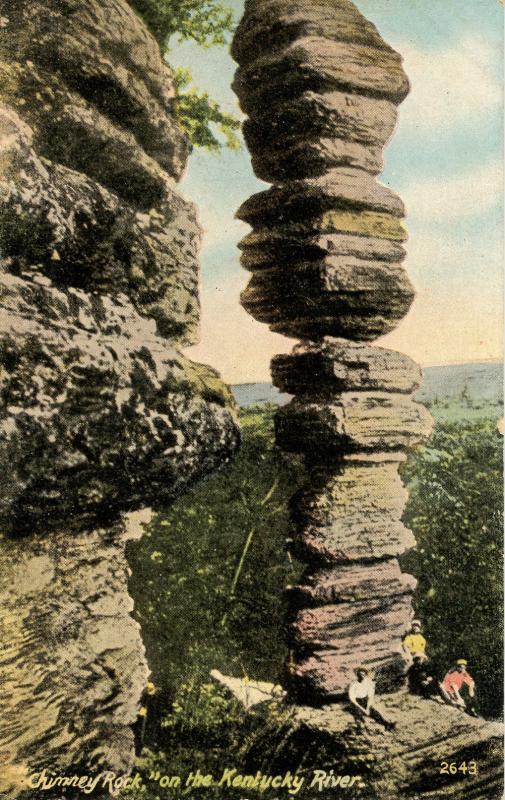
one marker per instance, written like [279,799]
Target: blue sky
[445,161]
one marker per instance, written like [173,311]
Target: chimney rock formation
[321,89]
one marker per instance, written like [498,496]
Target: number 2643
[452,767]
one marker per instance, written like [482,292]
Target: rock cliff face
[321,90]
[101,414]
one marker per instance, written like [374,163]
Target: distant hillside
[480,382]
[258,394]
[474,383]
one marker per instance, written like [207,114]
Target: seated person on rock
[361,694]
[414,643]
[459,682]
[421,679]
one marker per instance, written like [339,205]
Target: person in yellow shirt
[414,643]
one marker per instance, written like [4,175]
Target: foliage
[205,729]
[207,578]
[207,583]
[206,22]
[198,114]
[455,511]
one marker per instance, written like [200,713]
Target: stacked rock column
[321,89]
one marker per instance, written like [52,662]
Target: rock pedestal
[321,89]
[101,414]
[368,763]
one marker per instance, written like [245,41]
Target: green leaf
[206,22]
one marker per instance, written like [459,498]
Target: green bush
[206,730]
[455,511]
[208,577]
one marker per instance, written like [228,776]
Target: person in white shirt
[361,695]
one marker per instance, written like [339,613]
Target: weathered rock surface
[403,764]
[335,288]
[321,89]
[71,229]
[72,657]
[106,114]
[125,78]
[313,132]
[334,365]
[340,296]
[337,142]
[326,640]
[351,583]
[317,63]
[356,422]
[338,189]
[351,513]
[268,248]
[100,414]
[311,116]
[268,25]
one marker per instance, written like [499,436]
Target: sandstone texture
[355,422]
[106,147]
[326,640]
[321,88]
[350,583]
[403,764]
[352,513]
[344,296]
[68,624]
[335,365]
[101,414]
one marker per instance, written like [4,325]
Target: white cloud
[450,86]
[472,193]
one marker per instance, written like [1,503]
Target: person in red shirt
[457,682]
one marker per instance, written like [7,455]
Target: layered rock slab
[350,582]
[269,25]
[343,296]
[352,513]
[353,605]
[125,78]
[354,422]
[337,365]
[268,248]
[84,637]
[71,229]
[105,113]
[320,64]
[325,641]
[318,131]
